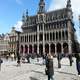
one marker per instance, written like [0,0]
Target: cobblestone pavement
[36,71]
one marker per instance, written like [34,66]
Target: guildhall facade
[48,32]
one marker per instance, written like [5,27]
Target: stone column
[70,47]
[37,39]
[49,49]
[52,36]
[69,37]
[62,47]
[55,35]
[43,40]
[23,50]
[28,48]
[69,42]
[61,35]
[55,49]
[65,32]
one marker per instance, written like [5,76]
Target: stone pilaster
[55,49]
[55,35]
[49,49]
[61,36]
[43,40]
[38,39]
[70,47]
[62,47]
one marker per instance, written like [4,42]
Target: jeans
[78,67]
[50,77]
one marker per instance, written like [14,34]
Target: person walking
[77,56]
[49,66]
[44,58]
[1,61]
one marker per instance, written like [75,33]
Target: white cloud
[57,4]
[19,2]
[18,26]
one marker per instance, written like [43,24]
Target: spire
[23,18]
[68,4]
[27,15]
[41,6]
[27,12]
[79,21]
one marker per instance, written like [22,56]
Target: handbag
[46,71]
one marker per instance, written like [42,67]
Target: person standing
[77,56]
[70,59]
[59,57]
[28,58]
[49,66]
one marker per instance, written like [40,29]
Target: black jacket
[77,56]
[49,66]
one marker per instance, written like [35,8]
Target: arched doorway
[65,48]
[52,47]
[26,49]
[35,48]
[21,50]
[41,49]
[46,48]
[58,48]
[30,48]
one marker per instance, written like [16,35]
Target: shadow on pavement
[38,72]
[38,64]
[32,78]
[65,65]
[66,73]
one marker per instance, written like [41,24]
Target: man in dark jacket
[77,56]
[49,66]
[1,61]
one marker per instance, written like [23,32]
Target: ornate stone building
[48,31]
[4,46]
[13,42]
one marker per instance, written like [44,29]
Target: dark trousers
[50,77]
[78,67]
[0,66]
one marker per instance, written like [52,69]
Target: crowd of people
[50,68]
[48,62]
